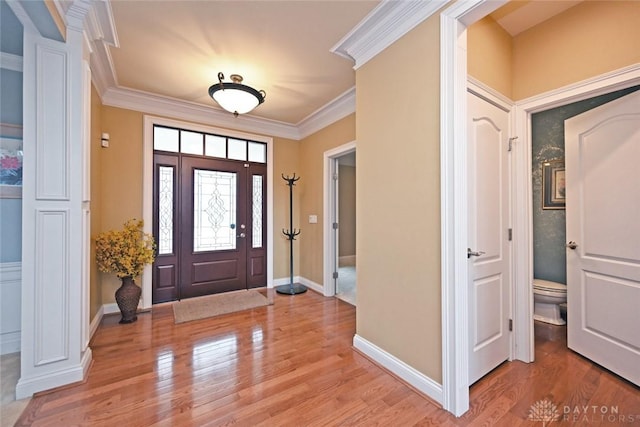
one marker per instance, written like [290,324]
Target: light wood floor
[292,364]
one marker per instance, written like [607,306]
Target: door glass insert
[214,210]
[257,212]
[165,210]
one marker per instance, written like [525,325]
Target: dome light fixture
[235,97]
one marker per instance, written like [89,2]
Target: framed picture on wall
[10,161]
[553,184]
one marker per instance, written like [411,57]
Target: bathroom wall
[549,226]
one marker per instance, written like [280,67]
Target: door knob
[471,253]
[572,245]
[242,235]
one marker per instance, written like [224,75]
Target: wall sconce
[104,141]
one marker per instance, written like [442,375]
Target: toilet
[547,297]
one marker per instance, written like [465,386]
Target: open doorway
[340,223]
[346,230]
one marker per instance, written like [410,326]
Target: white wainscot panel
[52,286]
[10,306]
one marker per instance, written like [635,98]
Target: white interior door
[489,241]
[603,262]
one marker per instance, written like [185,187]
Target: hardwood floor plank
[292,364]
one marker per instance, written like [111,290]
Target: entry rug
[215,305]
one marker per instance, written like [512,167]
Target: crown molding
[11,62]
[385,24]
[333,111]
[175,108]
[100,29]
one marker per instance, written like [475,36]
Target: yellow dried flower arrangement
[125,252]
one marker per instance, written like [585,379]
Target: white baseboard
[416,379]
[10,342]
[93,327]
[302,280]
[110,308]
[26,387]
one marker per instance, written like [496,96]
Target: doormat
[215,305]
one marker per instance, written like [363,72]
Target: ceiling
[174,50]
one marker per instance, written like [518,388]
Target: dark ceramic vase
[127,297]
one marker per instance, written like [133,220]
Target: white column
[55,215]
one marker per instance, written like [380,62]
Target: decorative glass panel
[257,211]
[165,210]
[214,210]
[215,146]
[257,152]
[165,139]
[191,142]
[237,149]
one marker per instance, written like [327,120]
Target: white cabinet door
[489,269]
[603,221]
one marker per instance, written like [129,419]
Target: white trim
[27,387]
[11,62]
[523,209]
[95,322]
[110,308]
[147,190]
[329,251]
[193,112]
[310,284]
[333,111]
[385,24]
[10,342]
[416,379]
[454,214]
[346,260]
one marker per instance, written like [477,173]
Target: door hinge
[335,274]
[510,234]
[510,325]
[335,176]
[511,141]
[335,225]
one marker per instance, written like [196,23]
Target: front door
[603,256]
[489,252]
[209,214]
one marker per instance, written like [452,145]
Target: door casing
[329,202]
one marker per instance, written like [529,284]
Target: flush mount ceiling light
[235,97]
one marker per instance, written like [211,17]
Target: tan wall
[285,161]
[95,293]
[121,178]
[121,187]
[347,210]
[311,170]
[489,55]
[587,40]
[398,209]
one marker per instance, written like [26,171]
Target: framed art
[10,161]
[553,184]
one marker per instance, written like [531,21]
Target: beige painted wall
[120,187]
[587,40]
[347,210]
[491,66]
[311,169]
[95,293]
[398,209]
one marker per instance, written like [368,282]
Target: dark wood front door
[218,227]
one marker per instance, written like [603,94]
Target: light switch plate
[313,219]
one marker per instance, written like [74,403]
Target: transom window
[208,145]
